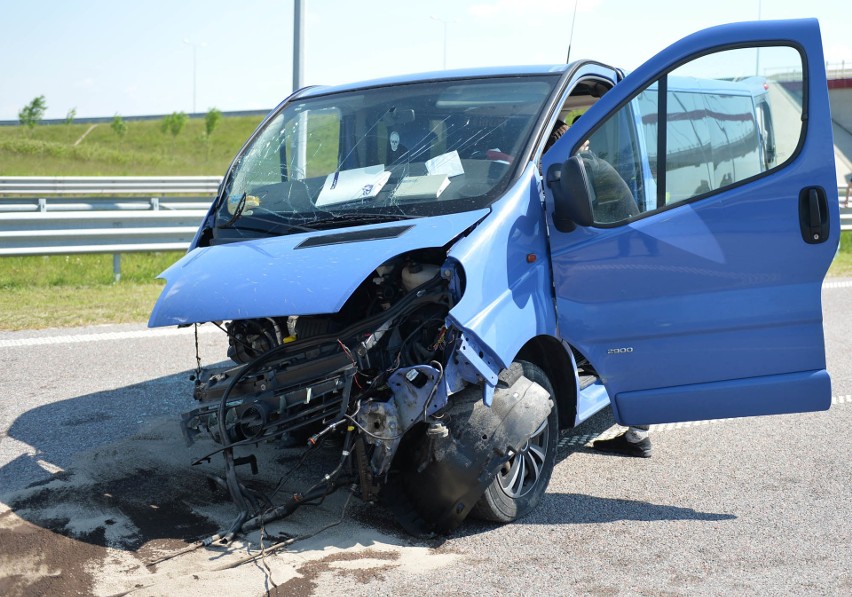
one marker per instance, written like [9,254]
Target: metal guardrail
[64,233]
[72,215]
[105,185]
[845,212]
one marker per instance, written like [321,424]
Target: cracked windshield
[381,154]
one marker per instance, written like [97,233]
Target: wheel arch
[551,356]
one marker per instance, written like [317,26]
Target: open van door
[689,244]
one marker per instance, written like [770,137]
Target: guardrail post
[42,204]
[155,203]
[116,266]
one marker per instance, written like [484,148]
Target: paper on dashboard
[446,163]
[351,185]
[421,187]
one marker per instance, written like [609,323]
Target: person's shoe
[619,445]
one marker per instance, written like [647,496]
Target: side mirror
[572,194]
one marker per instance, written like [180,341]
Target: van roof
[494,71]
[751,85]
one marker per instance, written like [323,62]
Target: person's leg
[633,442]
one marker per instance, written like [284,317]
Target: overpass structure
[840,97]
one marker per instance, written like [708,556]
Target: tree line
[33,113]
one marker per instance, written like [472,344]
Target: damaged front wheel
[523,478]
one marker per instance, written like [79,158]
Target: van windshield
[382,153]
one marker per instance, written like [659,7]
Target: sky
[103,58]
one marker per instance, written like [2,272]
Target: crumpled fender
[508,296]
[463,458]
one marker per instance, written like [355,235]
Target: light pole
[194,65]
[444,23]
[757,54]
[298,43]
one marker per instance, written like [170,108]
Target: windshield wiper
[263,215]
[238,211]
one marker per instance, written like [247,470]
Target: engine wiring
[289,541]
[373,435]
[418,313]
[247,500]
[264,551]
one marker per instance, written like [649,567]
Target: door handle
[813,215]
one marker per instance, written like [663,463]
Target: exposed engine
[374,374]
[320,364]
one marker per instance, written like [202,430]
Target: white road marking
[82,338]
[837,284]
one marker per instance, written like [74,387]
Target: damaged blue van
[442,271]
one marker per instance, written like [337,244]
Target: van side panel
[508,296]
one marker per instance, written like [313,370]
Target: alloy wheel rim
[522,471]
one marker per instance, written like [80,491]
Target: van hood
[300,274]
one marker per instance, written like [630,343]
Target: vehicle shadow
[574,508]
[581,509]
[123,478]
[562,508]
[600,425]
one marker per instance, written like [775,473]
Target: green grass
[144,151]
[75,290]
[68,306]
[52,271]
[842,264]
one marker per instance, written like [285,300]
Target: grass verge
[842,264]
[144,151]
[76,290]
[69,306]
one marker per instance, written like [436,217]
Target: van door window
[714,122]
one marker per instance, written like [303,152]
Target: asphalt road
[95,481]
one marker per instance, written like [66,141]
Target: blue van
[441,271]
